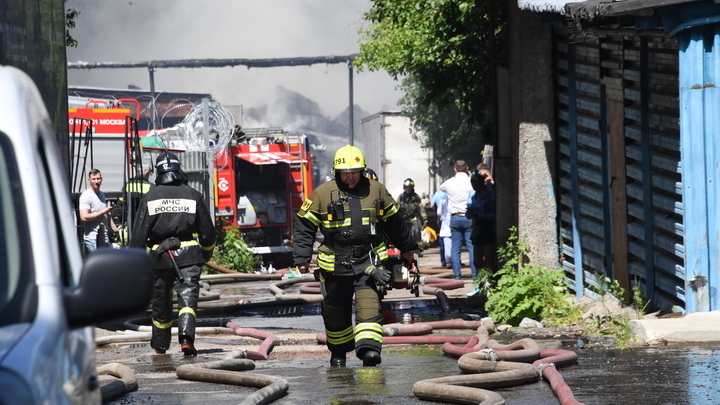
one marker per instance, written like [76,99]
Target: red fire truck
[98,134]
[261,182]
[261,179]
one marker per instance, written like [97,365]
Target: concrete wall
[32,38]
[532,117]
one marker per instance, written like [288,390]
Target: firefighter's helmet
[408,183]
[349,159]
[370,174]
[167,165]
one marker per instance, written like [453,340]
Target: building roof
[546,6]
[589,9]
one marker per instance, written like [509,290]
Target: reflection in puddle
[308,316]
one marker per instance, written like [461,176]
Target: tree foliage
[445,51]
[70,16]
[448,131]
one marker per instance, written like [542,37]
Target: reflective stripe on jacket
[179,211]
[363,227]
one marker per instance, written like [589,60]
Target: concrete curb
[698,327]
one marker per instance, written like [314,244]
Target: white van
[49,297]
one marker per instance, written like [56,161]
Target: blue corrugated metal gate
[619,185]
[700,123]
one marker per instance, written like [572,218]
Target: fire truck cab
[262,181]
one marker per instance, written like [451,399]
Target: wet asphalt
[640,376]
[687,374]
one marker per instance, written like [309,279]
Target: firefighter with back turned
[174,223]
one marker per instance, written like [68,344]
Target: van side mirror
[114,284]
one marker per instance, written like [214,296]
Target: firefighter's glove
[171,243]
[382,276]
[122,235]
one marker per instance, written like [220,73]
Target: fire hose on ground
[486,363]
[490,373]
[223,371]
[277,289]
[136,332]
[489,364]
[126,383]
[226,372]
[398,333]
[432,285]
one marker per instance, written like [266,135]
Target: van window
[18,294]
[49,185]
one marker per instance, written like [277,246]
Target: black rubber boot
[337,360]
[187,347]
[371,358]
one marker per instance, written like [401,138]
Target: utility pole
[351,113]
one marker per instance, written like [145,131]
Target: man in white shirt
[93,213]
[458,189]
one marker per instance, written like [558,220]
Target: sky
[146,30]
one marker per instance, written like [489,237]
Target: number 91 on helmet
[349,159]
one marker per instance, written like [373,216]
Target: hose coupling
[541,368]
[490,353]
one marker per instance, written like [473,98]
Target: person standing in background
[484,170]
[133,191]
[445,234]
[94,210]
[435,203]
[412,210]
[481,210]
[458,189]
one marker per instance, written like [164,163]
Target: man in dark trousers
[174,223]
[354,214]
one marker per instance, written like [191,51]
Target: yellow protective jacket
[364,225]
[411,206]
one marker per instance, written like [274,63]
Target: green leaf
[444,49]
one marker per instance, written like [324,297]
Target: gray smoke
[184,29]
[299,115]
[309,99]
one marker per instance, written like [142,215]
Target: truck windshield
[16,275]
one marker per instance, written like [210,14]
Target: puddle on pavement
[641,376]
[638,376]
[309,317]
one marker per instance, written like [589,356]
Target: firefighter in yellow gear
[133,192]
[354,214]
[412,210]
